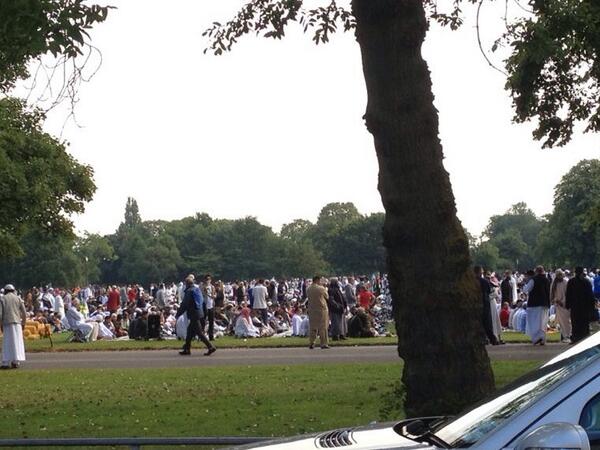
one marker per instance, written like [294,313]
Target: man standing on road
[192,304]
[581,303]
[12,323]
[318,313]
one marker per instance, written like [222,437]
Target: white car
[556,406]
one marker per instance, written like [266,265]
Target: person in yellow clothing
[12,322]
[318,313]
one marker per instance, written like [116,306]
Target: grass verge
[247,401]
[60,343]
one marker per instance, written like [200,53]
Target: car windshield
[469,427]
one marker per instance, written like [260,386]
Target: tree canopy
[31,29]
[40,183]
[567,237]
[553,69]
[572,234]
[154,251]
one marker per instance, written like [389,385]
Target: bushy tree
[40,183]
[47,259]
[572,234]
[94,253]
[515,236]
[487,255]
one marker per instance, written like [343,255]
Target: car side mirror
[555,436]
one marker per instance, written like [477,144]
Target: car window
[590,417]
[590,421]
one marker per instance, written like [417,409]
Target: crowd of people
[208,309]
[336,308]
[536,301]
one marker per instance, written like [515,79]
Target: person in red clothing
[504,315]
[132,294]
[365,298]
[114,298]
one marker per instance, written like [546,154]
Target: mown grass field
[60,343]
[247,401]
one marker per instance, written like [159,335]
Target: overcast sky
[247,133]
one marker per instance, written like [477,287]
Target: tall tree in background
[446,365]
[132,218]
[94,252]
[47,259]
[145,252]
[333,218]
[572,234]
[358,247]
[514,235]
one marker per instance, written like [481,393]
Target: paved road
[256,356]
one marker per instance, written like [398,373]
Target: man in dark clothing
[506,288]
[192,304]
[580,301]
[538,304]
[359,325]
[138,329]
[486,318]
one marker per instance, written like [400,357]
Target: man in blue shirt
[192,304]
[597,285]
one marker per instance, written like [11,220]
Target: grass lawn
[61,344]
[249,400]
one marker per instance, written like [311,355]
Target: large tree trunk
[437,304]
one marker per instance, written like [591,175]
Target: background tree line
[569,236]
[341,241]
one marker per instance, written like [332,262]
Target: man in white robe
[558,298]
[59,305]
[77,322]
[538,304]
[297,320]
[12,323]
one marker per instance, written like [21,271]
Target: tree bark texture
[437,304]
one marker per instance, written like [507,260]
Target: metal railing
[132,443]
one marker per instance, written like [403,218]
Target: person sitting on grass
[300,323]
[359,325]
[107,328]
[244,326]
[138,329]
[78,322]
[117,322]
